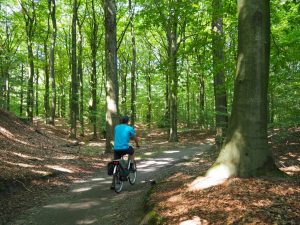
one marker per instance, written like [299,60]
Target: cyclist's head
[124,119]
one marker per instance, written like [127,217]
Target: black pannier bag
[110,169]
[124,172]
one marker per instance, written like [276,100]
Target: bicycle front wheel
[117,183]
[132,174]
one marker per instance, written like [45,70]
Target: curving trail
[92,202]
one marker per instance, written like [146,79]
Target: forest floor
[233,201]
[37,160]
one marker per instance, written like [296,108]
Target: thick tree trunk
[245,152]
[74,91]
[219,74]
[173,79]
[112,117]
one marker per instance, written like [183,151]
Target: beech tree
[29,14]
[245,151]
[218,70]
[111,72]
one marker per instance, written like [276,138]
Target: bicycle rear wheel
[117,183]
[132,174]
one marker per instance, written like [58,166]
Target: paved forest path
[92,202]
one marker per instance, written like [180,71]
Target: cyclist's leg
[117,155]
[130,152]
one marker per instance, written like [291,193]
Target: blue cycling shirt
[123,133]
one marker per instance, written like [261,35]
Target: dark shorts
[119,153]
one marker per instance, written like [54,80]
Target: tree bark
[80,76]
[52,10]
[37,92]
[30,23]
[133,66]
[149,96]
[218,72]
[245,152]
[112,117]
[22,90]
[74,91]
[173,77]
[47,94]
[94,47]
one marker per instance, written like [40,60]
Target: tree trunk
[133,66]
[37,92]
[218,71]
[80,76]
[74,91]
[30,91]
[94,47]
[52,10]
[245,152]
[22,93]
[47,94]
[30,23]
[173,79]
[149,96]
[124,88]
[111,72]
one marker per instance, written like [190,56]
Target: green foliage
[194,60]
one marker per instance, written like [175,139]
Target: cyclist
[123,134]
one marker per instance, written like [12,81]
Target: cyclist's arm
[136,140]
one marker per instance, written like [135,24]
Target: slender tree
[245,151]
[93,80]
[111,71]
[52,11]
[46,72]
[133,65]
[218,71]
[74,88]
[29,14]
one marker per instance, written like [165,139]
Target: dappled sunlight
[59,168]
[196,220]
[170,152]
[81,189]
[202,183]
[98,179]
[86,221]
[19,164]
[220,171]
[64,157]
[263,203]
[148,153]
[73,206]
[80,181]
[41,172]
[26,156]
[96,144]
[291,170]
[6,133]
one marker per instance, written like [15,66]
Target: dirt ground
[235,201]
[37,160]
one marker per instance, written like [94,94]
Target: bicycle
[123,171]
